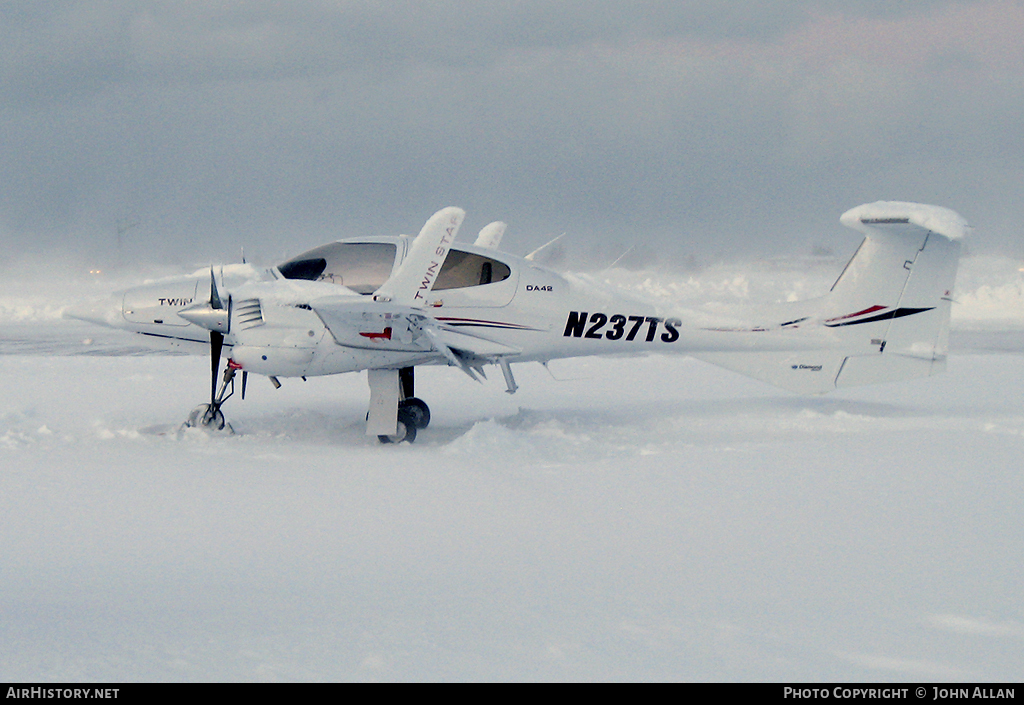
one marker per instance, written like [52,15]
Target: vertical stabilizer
[890,308]
[887,316]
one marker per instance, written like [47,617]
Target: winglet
[415,277]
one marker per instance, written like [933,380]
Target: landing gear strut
[209,416]
[215,316]
[418,410]
[406,429]
[392,392]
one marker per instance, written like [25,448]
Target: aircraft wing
[472,344]
[370,325]
[394,319]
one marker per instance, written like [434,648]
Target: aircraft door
[471,279]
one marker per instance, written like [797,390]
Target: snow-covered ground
[635,518]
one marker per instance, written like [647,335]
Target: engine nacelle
[273,361]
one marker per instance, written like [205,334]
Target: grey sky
[711,132]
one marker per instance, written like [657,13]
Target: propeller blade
[215,301]
[418,271]
[490,236]
[245,381]
[216,346]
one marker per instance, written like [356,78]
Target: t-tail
[886,317]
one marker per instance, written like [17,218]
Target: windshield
[364,266]
[360,266]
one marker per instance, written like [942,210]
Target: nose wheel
[209,416]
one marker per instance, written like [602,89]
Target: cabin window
[360,266]
[463,269]
[364,266]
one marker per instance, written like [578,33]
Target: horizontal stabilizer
[810,372]
[878,369]
[823,371]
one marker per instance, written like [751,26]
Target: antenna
[543,247]
[619,258]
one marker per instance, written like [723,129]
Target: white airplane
[389,304]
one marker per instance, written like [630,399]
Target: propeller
[216,336]
[212,315]
[215,316]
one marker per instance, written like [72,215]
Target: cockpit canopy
[360,266]
[364,266]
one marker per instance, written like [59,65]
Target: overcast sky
[709,129]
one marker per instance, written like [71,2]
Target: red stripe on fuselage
[854,315]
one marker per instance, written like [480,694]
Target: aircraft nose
[104,311]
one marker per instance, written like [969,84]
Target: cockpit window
[360,266]
[364,266]
[462,269]
[308,269]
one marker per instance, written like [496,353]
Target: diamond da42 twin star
[389,304]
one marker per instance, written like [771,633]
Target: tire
[406,429]
[419,410]
[202,418]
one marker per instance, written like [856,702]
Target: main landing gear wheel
[418,410]
[406,428]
